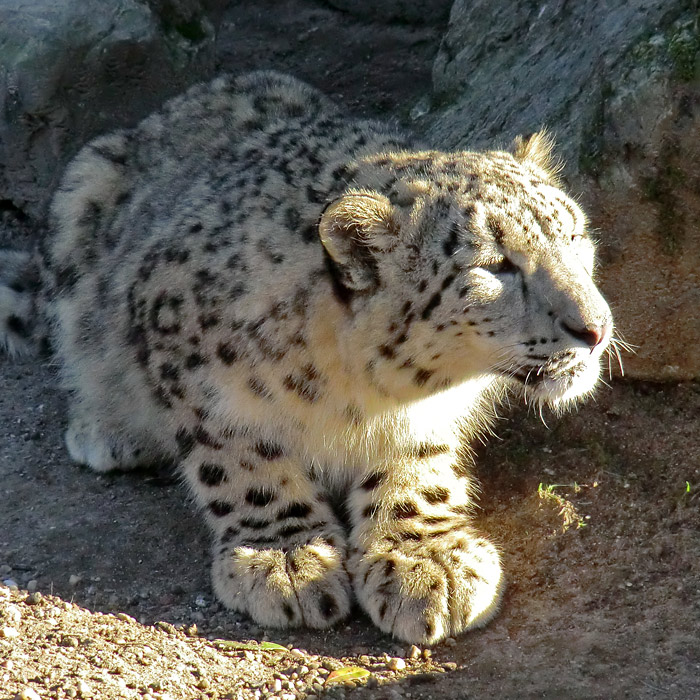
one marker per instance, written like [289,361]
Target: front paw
[422,591]
[306,585]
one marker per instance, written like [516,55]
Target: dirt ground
[107,592]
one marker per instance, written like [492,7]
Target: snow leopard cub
[303,309]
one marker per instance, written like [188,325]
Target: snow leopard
[313,316]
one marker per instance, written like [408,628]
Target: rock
[413,11]
[27,694]
[617,84]
[396,664]
[70,70]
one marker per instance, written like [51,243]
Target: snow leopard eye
[504,266]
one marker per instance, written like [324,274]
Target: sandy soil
[107,592]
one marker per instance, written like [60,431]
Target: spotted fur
[304,309]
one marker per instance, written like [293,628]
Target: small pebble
[450,642]
[27,694]
[203,684]
[84,690]
[427,654]
[74,579]
[277,685]
[11,584]
[7,664]
[413,652]
[396,664]
[34,598]
[8,633]
[5,569]
[32,585]
[191,631]
[450,666]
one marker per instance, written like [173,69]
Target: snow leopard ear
[354,230]
[538,150]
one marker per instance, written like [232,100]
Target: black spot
[268,450]
[404,509]
[422,286]
[449,245]
[254,523]
[178,255]
[227,353]
[288,611]
[91,216]
[410,535]
[230,533]
[448,281]
[427,449]
[16,325]
[290,530]
[327,605]
[294,510]
[292,218]
[66,278]
[220,508]
[212,474]
[194,360]
[421,376]
[371,481]
[259,497]
[301,386]
[382,609]
[185,441]
[431,306]
[207,321]
[387,351]
[436,494]
[309,233]
[258,388]
[206,439]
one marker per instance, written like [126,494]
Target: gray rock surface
[70,69]
[616,81]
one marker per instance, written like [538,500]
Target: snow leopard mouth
[559,379]
[539,374]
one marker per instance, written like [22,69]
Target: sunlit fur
[311,315]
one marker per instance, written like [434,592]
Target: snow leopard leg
[279,551]
[420,569]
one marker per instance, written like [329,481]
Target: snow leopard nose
[592,335]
